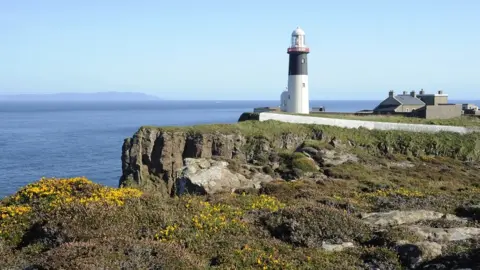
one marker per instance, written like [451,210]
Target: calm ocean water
[66,139]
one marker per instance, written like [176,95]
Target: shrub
[304,164]
[52,192]
[390,237]
[310,226]
[118,253]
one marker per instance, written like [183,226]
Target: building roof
[385,108]
[409,100]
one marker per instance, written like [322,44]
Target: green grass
[460,146]
[467,121]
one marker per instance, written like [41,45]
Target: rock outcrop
[397,217]
[154,157]
[207,176]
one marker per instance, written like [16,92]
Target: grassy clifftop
[465,147]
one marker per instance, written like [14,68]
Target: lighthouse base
[298,100]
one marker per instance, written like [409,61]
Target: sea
[68,139]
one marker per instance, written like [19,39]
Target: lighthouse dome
[298,32]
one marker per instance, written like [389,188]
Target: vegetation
[286,224]
[465,120]
[74,223]
[377,142]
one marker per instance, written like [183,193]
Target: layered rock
[153,158]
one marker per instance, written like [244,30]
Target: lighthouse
[295,98]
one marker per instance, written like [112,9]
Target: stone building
[430,106]
[404,103]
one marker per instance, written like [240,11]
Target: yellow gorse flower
[14,210]
[57,191]
[167,233]
[267,203]
[262,258]
[54,192]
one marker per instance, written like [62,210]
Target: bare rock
[332,157]
[336,143]
[207,176]
[402,164]
[445,234]
[397,217]
[337,247]
[309,151]
[430,249]
[152,158]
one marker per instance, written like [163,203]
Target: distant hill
[100,96]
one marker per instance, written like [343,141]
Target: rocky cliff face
[153,157]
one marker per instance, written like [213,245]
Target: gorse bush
[49,194]
[209,219]
[53,192]
[13,210]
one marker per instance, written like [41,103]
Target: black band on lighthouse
[298,63]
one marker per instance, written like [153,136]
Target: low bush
[311,226]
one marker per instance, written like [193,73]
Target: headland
[259,194]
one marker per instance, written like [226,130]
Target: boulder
[332,157]
[445,234]
[397,217]
[207,176]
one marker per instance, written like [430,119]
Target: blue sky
[237,49]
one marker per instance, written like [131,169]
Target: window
[303,60]
[288,96]
[303,84]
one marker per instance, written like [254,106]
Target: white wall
[346,123]
[299,100]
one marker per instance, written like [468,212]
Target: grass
[275,133]
[74,223]
[467,121]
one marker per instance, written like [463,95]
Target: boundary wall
[347,123]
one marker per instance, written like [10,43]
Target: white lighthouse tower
[295,99]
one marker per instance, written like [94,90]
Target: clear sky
[237,49]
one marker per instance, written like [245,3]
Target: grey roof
[385,108]
[409,100]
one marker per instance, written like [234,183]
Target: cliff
[154,156]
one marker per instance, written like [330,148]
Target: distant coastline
[98,96]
